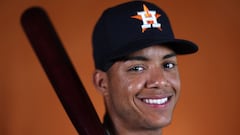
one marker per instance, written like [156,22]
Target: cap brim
[181,46]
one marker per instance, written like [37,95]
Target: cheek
[175,81]
[127,86]
[177,86]
[178,82]
[135,85]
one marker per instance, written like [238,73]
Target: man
[136,68]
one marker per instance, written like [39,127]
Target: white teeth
[156,101]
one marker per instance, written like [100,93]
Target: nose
[157,79]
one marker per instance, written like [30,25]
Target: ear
[100,81]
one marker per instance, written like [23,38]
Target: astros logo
[149,18]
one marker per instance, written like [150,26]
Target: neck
[121,130]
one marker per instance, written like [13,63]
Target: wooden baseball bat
[60,71]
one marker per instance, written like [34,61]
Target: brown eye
[169,65]
[137,68]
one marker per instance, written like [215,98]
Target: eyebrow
[143,58]
[169,55]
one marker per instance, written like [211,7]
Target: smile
[160,101]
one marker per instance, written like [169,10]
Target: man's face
[142,90]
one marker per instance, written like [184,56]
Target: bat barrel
[60,71]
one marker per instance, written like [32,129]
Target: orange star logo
[149,18]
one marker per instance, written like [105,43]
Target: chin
[159,124]
[164,122]
[167,123]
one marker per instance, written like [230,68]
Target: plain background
[209,101]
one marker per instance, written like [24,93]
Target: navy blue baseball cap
[131,26]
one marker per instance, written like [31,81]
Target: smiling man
[135,53]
